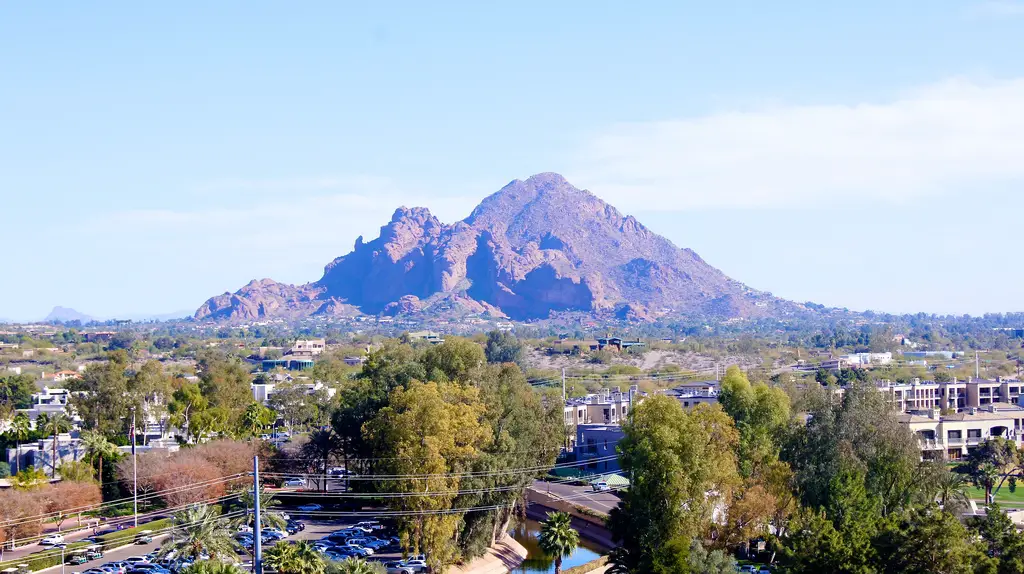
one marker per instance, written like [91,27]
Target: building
[262,392]
[692,394]
[288,362]
[353,361]
[953,436]
[919,395]
[597,442]
[618,344]
[607,407]
[865,359]
[311,347]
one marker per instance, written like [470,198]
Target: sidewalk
[505,556]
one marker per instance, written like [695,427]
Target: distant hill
[65,314]
[533,248]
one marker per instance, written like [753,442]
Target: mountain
[535,247]
[65,314]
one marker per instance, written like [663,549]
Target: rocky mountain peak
[534,247]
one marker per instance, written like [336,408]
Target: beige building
[952,436]
[607,407]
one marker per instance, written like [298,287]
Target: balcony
[958,441]
[930,444]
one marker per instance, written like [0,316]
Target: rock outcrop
[533,248]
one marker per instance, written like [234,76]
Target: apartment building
[693,393]
[597,443]
[607,407]
[919,395]
[951,437]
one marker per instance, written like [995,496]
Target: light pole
[135,473]
[63,563]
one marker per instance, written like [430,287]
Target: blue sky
[866,154]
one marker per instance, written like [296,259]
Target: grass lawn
[1003,497]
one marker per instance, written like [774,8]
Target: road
[585,496]
[69,536]
[315,530]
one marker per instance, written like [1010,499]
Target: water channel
[537,561]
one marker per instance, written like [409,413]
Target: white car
[309,507]
[137,560]
[295,482]
[52,540]
[417,565]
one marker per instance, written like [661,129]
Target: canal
[537,561]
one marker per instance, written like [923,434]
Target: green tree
[1001,538]
[16,391]
[255,419]
[427,432]
[185,403]
[504,347]
[357,566]
[762,415]
[993,463]
[558,538]
[678,461]
[928,541]
[815,546]
[268,519]
[319,451]
[226,384]
[453,360]
[21,426]
[103,397]
[212,567]
[97,449]
[296,558]
[526,433]
[199,531]
[294,404]
[77,471]
[54,426]
[701,561]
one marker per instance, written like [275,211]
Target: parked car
[370,525]
[310,507]
[337,471]
[277,534]
[133,560]
[418,564]
[52,540]
[398,568]
[294,482]
[601,486]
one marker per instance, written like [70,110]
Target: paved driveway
[581,495]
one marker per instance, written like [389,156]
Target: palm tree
[256,418]
[97,447]
[267,501]
[203,534]
[298,558]
[322,445]
[58,423]
[356,566]
[952,490]
[20,427]
[558,538]
[211,567]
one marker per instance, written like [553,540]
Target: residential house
[597,442]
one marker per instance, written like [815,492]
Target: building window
[973,433]
[955,435]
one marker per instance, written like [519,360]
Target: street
[585,496]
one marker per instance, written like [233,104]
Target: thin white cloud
[954,137]
[998,8]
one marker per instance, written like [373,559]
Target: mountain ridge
[535,247]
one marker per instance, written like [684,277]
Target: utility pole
[563,384]
[257,532]
[977,366]
[135,474]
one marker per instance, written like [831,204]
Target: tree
[63,499]
[681,463]
[992,463]
[97,448]
[199,531]
[267,501]
[318,452]
[294,404]
[103,396]
[557,537]
[29,478]
[54,426]
[185,402]
[453,359]
[951,490]
[295,558]
[16,391]
[226,384]
[762,415]
[77,471]
[1001,538]
[526,428]
[212,567]
[714,562]
[928,541]
[255,418]
[426,432]
[20,428]
[504,347]
[357,566]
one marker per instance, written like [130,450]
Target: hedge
[589,566]
[127,536]
[51,557]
